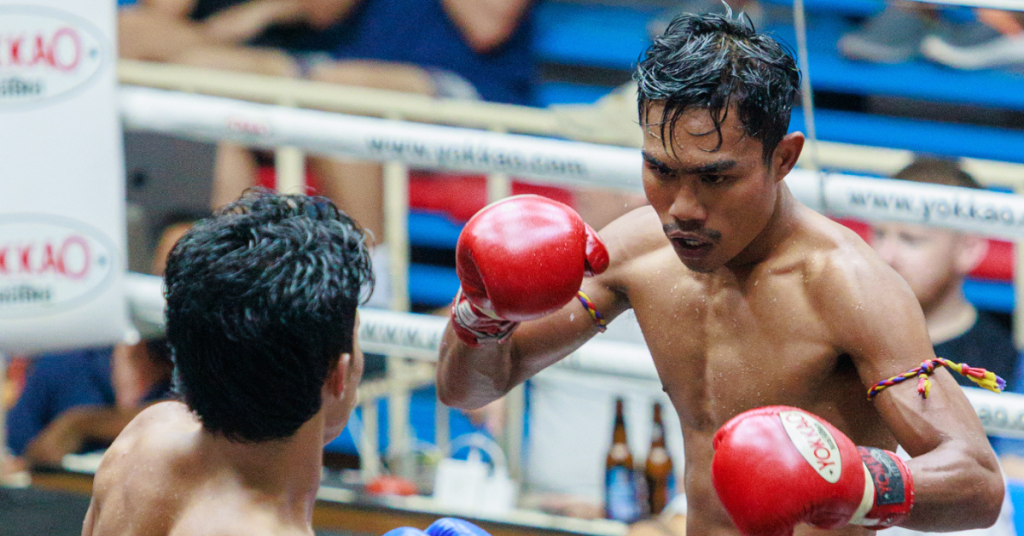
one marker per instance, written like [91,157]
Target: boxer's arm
[879,322]
[470,377]
[89,518]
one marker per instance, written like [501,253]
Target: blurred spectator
[466,49]
[80,400]
[69,403]
[906,30]
[934,263]
[450,48]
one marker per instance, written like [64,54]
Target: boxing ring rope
[575,122]
[551,162]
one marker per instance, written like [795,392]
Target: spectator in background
[470,49]
[934,263]
[446,48]
[905,30]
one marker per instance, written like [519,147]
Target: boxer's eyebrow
[706,169]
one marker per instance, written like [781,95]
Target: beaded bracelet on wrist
[592,310]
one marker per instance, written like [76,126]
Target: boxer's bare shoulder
[159,465]
[630,239]
[855,293]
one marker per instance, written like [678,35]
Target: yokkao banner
[62,207]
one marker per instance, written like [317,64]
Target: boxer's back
[157,479]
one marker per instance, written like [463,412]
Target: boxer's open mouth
[691,247]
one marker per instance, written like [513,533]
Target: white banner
[62,222]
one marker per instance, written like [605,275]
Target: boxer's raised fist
[519,259]
[775,467]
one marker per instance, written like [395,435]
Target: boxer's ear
[787,153]
[335,383]
[971,251]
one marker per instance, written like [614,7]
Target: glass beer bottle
[621,502]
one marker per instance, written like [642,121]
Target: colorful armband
[980,376]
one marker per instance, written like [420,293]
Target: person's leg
[235,166]
[234,170]
[374,74]
[266,61]
[144,34]
[356,187]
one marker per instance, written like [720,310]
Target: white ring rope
[417,336]
[415,144]
[553,162]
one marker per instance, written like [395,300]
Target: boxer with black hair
[758,312]
[262,323]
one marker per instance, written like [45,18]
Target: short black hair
[933,170]
[261,302]
[713,62]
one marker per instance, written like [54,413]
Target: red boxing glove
[777,466]
[519,259]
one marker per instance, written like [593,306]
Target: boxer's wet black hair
[714,62]
[261,302]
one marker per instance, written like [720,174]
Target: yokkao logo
[45,53]
[50,264]
[815,443]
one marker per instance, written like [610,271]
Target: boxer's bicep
[879,323]
[872,316]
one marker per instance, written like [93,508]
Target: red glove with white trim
[519,259]
[777,466]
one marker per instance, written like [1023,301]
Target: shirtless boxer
[261,319]
[746,299]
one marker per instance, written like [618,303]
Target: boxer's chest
[723,349]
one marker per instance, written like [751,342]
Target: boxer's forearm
[470,378]
[957,487]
